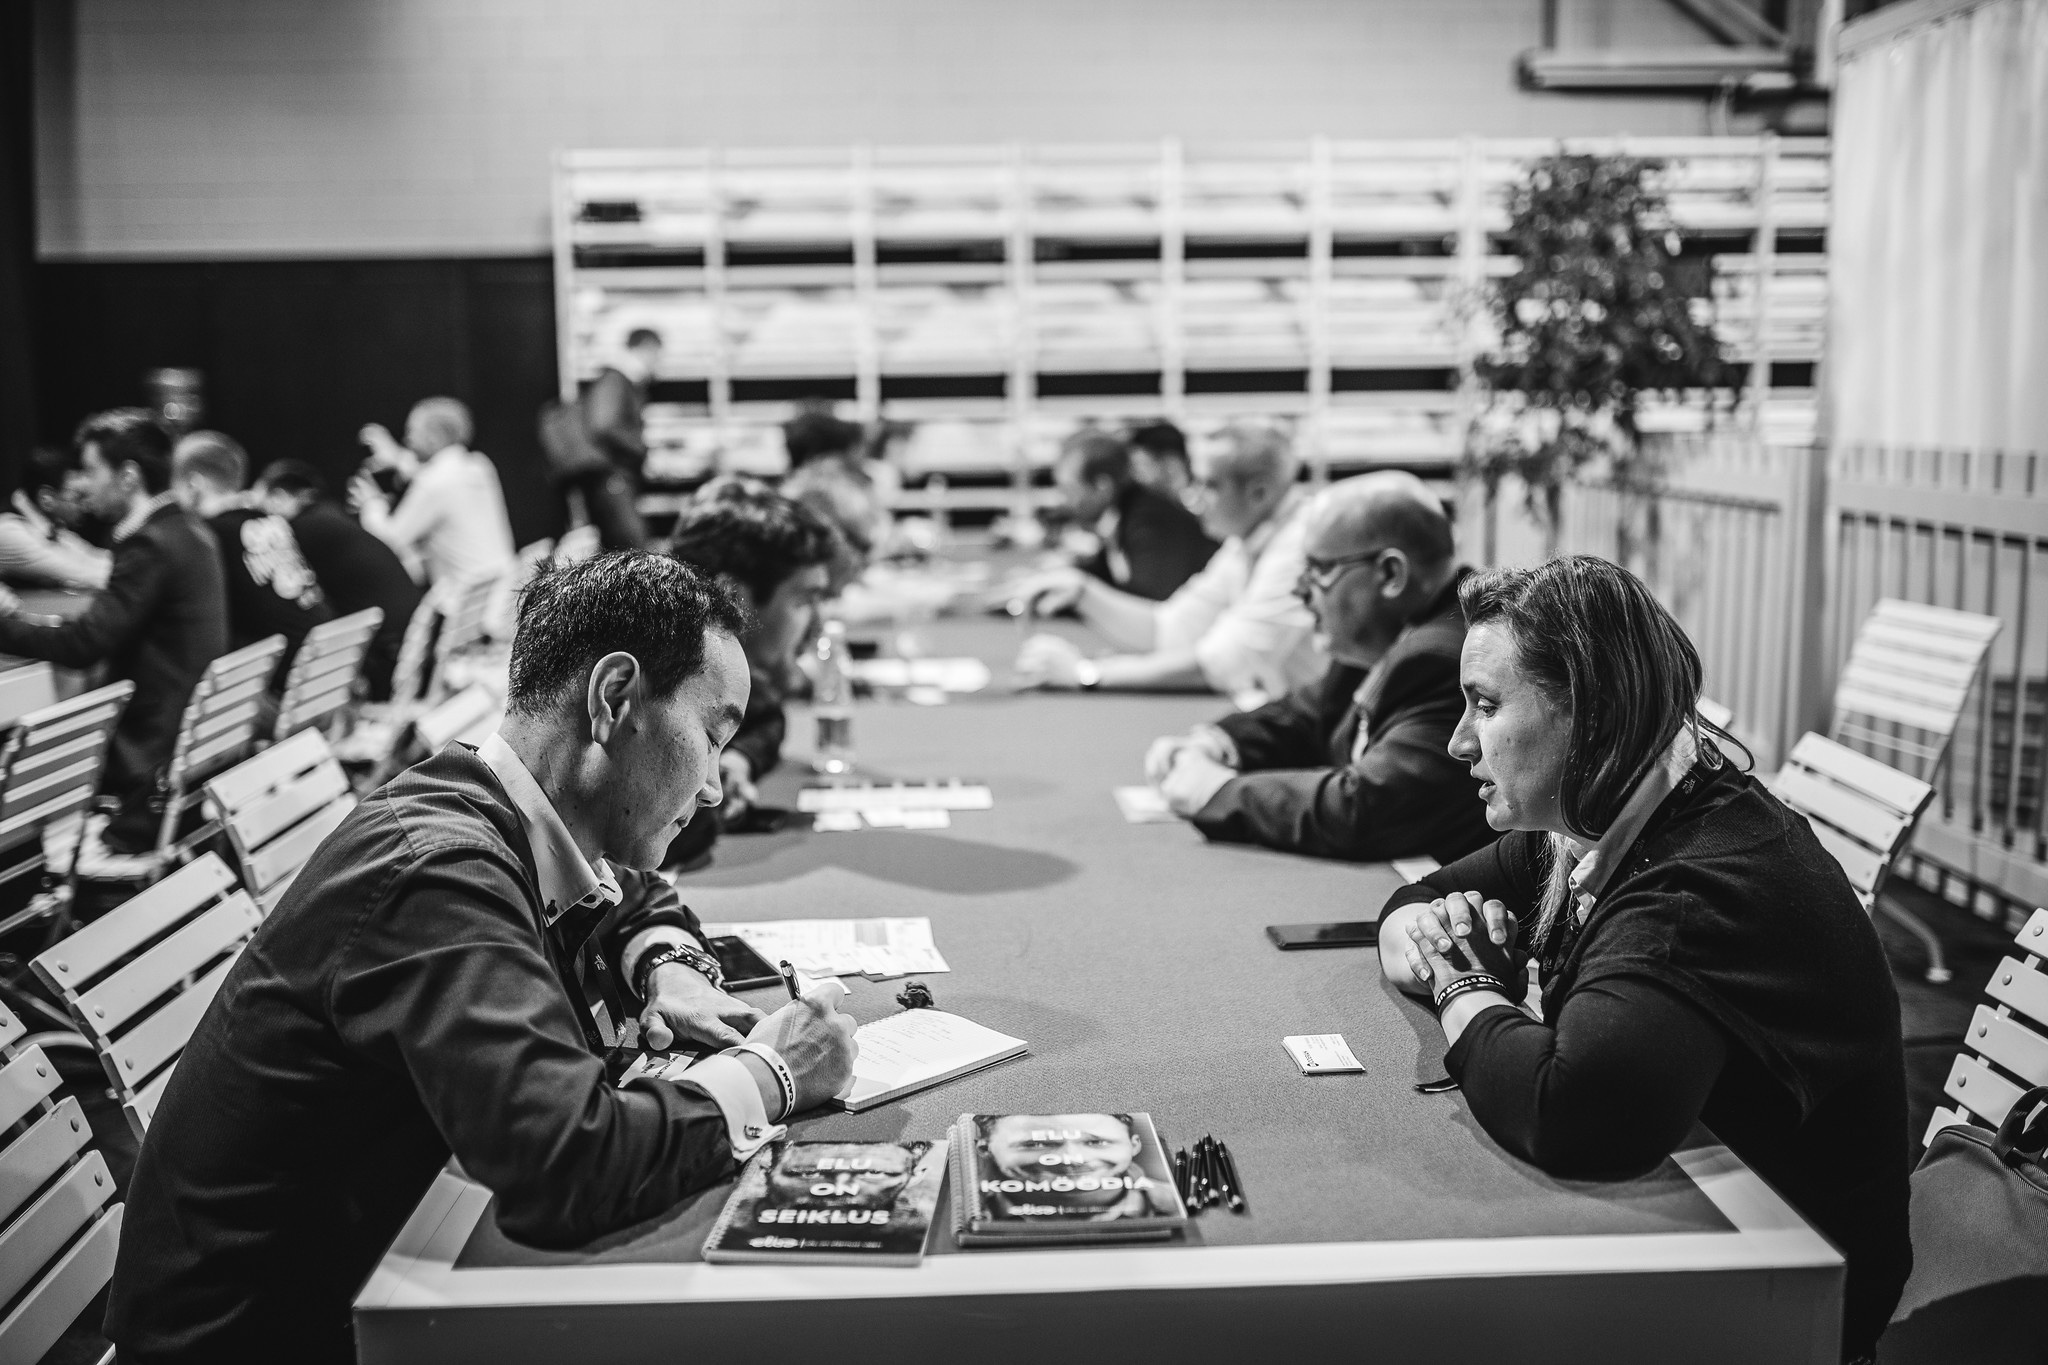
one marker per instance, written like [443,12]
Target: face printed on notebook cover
[1077,1165]
[838,1175]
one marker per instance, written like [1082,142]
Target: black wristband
[1465,985]
[695,959]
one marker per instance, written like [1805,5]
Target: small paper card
[840,821]
[1415,869]
[1321,1054]
[915,818]
[1144,806]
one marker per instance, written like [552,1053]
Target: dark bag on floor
[565,440]
[1979,1288]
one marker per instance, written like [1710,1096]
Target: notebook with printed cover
[1020,1178]
[865,1203]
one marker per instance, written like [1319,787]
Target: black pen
[1236,1186]
[789,979]
[1180,1173]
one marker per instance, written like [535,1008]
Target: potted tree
[1601,312]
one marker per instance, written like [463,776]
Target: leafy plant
[1601,312]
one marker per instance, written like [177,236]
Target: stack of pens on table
[1208,1177]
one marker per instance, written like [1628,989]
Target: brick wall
[424,127]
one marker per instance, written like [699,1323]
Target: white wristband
[784,1081]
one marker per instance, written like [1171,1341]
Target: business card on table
[1144,805]
[908,817]
[1321,1054]
[836,821]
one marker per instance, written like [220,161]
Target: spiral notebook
[921,1048]
[866,1203]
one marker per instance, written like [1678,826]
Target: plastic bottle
[832,702]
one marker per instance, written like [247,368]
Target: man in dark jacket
[1356,765]
[355,569]
[779,555]
[161,619]
[612,418]
[1151,544]
[450,974]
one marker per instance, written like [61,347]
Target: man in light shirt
[450,525]
[456,972]
[1236,627]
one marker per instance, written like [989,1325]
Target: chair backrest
[1908,675]
[51,759]
[1714,713]
[2007,1038]
[415,650]
[322,677]
[466,620]
[277,807]
[219,724]
[58,1228]
[1862,811]
[137,979]
[470,715]
[25,689]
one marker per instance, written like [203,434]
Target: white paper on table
[917,1048]
[883,817]
[836,821]
[916,818]
[1415,869]
[1144,806]
[897,796]
[951,675]
[843,947]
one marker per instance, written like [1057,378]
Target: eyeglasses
[1321,575]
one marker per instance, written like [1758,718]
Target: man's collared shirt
[1252,637]
[451,522]
[569,881]
[133,522]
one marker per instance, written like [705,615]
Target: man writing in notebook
[451,973]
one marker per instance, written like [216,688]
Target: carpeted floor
[1934,1020]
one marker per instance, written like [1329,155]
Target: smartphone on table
[744,968]
[1364,933]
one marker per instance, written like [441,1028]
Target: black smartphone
[1359,933]
[743,967]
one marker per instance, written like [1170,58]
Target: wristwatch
[1087,673]
[695,959]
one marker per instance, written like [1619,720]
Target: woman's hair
[1590,635]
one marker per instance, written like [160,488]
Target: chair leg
[1937,962]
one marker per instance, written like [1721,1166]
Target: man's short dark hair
[214,456]
[1100,456]
[758,540]
[642,336]
[1160,440]
[129,436]
[295,478]
[655,608]
[815,433]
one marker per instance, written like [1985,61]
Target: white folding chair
[218,729]
[2006,1048]
[469,716]
[1714,713]
[322,677]
[58,1227]
[137,979]
[1862,811]
[50,765]
[25,689]
[277,807]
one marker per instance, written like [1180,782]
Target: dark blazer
[1301,792]
[161,619]
[358,571]
[404,1001]
[1162,545]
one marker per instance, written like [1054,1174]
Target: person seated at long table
[1702,957]
[779,556]
[1147,543]
[449,975]
[1353,765]
[1236,627]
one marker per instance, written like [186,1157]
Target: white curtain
[1939,247]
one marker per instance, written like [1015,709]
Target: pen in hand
[788,973]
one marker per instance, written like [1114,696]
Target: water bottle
[832,702]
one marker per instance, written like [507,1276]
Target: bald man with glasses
[1355,765]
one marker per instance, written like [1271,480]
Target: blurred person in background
[830,474]
[271,588]
[1159,458]
[1149,544]
[1237,626]
[355,570]
[612,410]
[161,619]
[778,555]
[38,546]
[450,526]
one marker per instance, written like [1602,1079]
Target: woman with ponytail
[1701,958]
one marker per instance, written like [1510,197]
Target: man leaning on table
[1356,764]
[1237,626]
[449,974]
